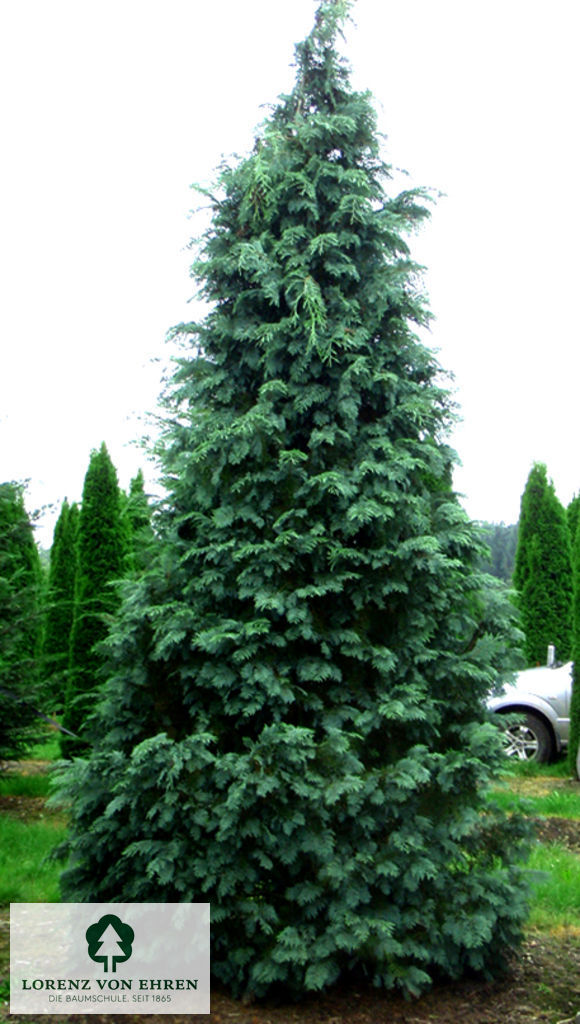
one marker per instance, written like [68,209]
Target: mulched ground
[24,807]
[559,830]
[542,987]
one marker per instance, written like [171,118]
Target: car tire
[530,739]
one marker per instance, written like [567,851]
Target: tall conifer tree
[294,726]
[60,603]
[101,553]
[530,512]
[20,623]
[574,738]
[543,570]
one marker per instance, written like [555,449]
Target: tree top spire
[316,56]
[330,15]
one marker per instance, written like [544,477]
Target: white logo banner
[137,958]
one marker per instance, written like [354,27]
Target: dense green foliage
[502,542]
[574,738]
[20,624]
[101,553]
[294,727]
[530,513]
[572,516]
[60,605]
[543,571]
[137,518]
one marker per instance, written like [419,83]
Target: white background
[111,110]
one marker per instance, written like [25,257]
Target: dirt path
[30,767]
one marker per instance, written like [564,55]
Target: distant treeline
[502,541]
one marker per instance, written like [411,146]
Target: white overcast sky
[110,111]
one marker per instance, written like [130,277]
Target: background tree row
[20,624]
[52,621]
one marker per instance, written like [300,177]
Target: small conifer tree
[543,570]
[294,726]
[20,624]
[60,604]
[101,553]
[137,516]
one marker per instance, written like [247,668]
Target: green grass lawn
[26,873]
[539,791]
[556,892]
[48,749]
[24,785]
[531,769]
[559,803]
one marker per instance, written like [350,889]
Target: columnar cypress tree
[543,571]
[101,561]
[60,603]
[137,514]
[572,516]
[530,513]
[20,623]
[294,726]
[574,739]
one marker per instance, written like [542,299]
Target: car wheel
[529,740]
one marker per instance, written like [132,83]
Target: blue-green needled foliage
[294,727]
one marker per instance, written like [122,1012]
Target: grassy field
[27,875]
[24,785]
[552,803]
[556,896]
[28,832]
[546,793]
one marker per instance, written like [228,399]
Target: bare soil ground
[542,983]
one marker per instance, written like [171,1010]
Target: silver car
[542,695]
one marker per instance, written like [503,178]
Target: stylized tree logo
[110,941]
